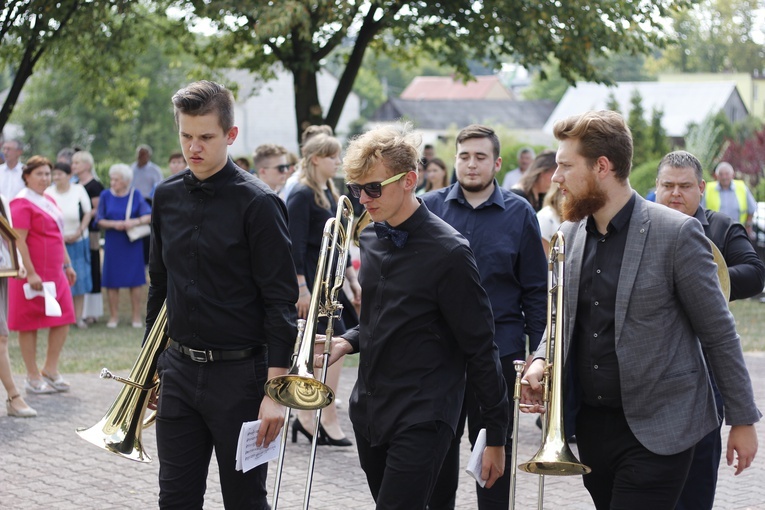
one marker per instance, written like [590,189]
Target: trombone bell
[300,392]
[555,458]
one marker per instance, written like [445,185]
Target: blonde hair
[396,147]
[321,145]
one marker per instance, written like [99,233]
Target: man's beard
[578,208]
[477,187]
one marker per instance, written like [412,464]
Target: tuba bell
[119,431]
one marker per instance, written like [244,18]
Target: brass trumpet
[554,456]
[299,389]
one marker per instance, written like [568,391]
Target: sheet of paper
[476,458]
[52,308]
[248,453]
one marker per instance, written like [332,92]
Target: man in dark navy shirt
[680,185]
[425,322]
[503,232]
[221,257]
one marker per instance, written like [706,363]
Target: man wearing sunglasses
[503,232]
[425,322]
[270,163]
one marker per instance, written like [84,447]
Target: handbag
[139,231]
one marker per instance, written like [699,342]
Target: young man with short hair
[270,163]
[221,259]
[642,299]
[425,322]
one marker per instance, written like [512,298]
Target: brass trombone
[554,456]
[299,389]
[119,431]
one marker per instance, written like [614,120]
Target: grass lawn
[89,350]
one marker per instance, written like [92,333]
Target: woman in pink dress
[39,223]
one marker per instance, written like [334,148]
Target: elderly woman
[82,168]
[40,225]
[75,207]
[120,208]
[536,180]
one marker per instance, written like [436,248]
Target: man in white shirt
[10,171]
[525,157]
[146,174]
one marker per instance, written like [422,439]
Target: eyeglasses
[372,189]
[280,168]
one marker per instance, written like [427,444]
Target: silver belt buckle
[197,355]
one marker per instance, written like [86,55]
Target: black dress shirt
[594,329]
[746,270]
[221,255]
[425,322]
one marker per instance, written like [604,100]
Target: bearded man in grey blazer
[641,299]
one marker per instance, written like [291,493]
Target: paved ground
[44,464]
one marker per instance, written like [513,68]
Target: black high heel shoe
[298,427]
[325,438]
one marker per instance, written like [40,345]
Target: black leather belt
[203,356]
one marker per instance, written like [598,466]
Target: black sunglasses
[281,168]
[372,189]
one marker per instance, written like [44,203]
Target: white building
[265,112]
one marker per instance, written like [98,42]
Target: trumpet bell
[555,458]
[299,392]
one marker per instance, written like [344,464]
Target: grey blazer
[668,304]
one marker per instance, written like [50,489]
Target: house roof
[440,114]
[683,103]
[433,88]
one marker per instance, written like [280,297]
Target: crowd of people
[236,243]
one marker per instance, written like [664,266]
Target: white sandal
[38,387]
[58,384]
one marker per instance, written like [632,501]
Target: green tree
[657,135]
[640,132]
[301,35]
[54,114]
[715,36]
[612,104]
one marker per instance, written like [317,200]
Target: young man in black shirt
[425,322]
[220,256]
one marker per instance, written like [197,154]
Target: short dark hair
[176,155]
[600,133]
[204,97]
[64,167]
[479,131]
[682,159]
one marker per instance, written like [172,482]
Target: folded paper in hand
[52,308]
[476,458]
[248,453]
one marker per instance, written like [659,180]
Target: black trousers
[498,497]
[202,406]
[699,490]
[402,472]
[626,475]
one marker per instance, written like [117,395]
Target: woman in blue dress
[123,258]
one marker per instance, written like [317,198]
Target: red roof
[445,87]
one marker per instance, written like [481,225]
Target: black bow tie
[397,237]
[193,184]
